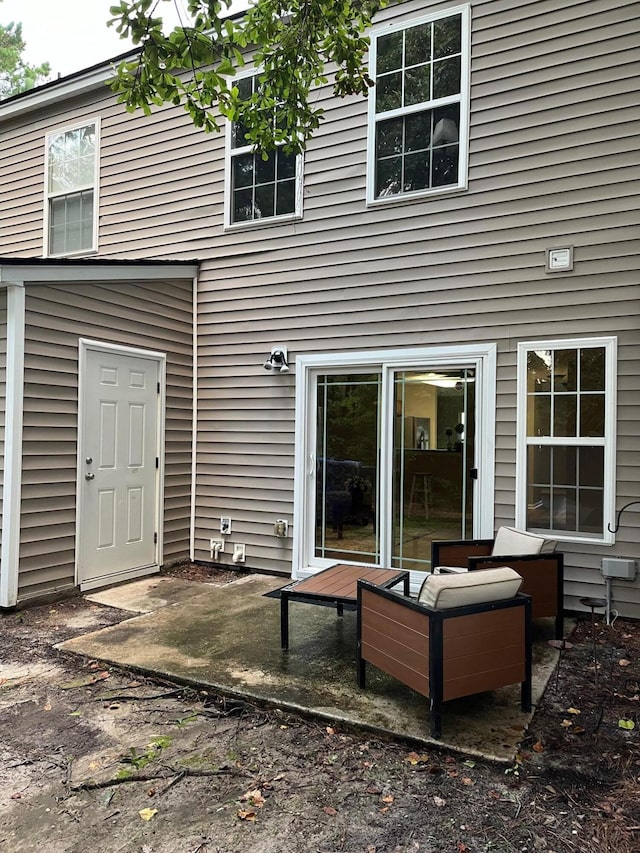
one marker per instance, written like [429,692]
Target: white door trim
[484,356]
[85,346]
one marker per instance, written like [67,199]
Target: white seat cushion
[449,570]
[510,542]
[457,590]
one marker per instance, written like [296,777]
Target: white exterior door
[119,464]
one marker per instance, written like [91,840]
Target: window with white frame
[418,109]
[260,189]
[567,428]
[71,184]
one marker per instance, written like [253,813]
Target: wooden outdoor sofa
[465,634]
[533,557]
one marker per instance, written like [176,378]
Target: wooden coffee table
[336,585]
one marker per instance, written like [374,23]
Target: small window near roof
[419,107]
[71,179]
[260,189]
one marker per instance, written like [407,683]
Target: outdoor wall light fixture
[277,360]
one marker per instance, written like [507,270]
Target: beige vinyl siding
[155,316]
[554,154]
[3,399]
[553,160]
[159,179]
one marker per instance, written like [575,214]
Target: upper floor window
[567,429]
[418,108]
[259,189]
[71,184]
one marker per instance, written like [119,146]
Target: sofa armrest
[456,552]
[445,654]
[543,580]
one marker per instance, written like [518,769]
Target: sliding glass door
[390,462]
[433,462]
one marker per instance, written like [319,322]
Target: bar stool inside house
[420,495]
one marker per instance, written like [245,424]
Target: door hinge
[155,538]
[157,462]
[473,473]
[158,387]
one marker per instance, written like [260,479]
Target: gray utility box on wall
[615,567]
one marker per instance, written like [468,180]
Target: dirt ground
[95,759]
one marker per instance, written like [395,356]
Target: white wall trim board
[13,445]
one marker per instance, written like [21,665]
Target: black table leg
[284,620]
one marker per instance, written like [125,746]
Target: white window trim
[228,194]
[464,100]
[482,356]
[608,441]
[95,186]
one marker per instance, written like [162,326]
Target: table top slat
[341,581]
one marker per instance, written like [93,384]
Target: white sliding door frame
[481,357]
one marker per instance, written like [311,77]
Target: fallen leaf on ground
[538,747]
[147,814]
[388,799]
[623,662]
[566,724]
[413,758]
[628,725]
[439,802]
[573,711]
[254,797]
[47,707]
[330,731]
[247,814]
[330,811]
[466,780]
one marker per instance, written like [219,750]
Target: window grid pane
[566,481]
[417,151]
[416,67]
[71,175]
[557,403]
[71,223]
[71,159]
[260,189]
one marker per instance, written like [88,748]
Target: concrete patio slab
[144,596]
[227,639]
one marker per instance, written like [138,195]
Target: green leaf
[297,43]
[628,725]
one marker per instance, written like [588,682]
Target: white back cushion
[457,590]
[510,542]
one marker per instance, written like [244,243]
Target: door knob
[89,476]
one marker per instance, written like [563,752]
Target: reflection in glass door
[346,460]
[364,514]
[433,459]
